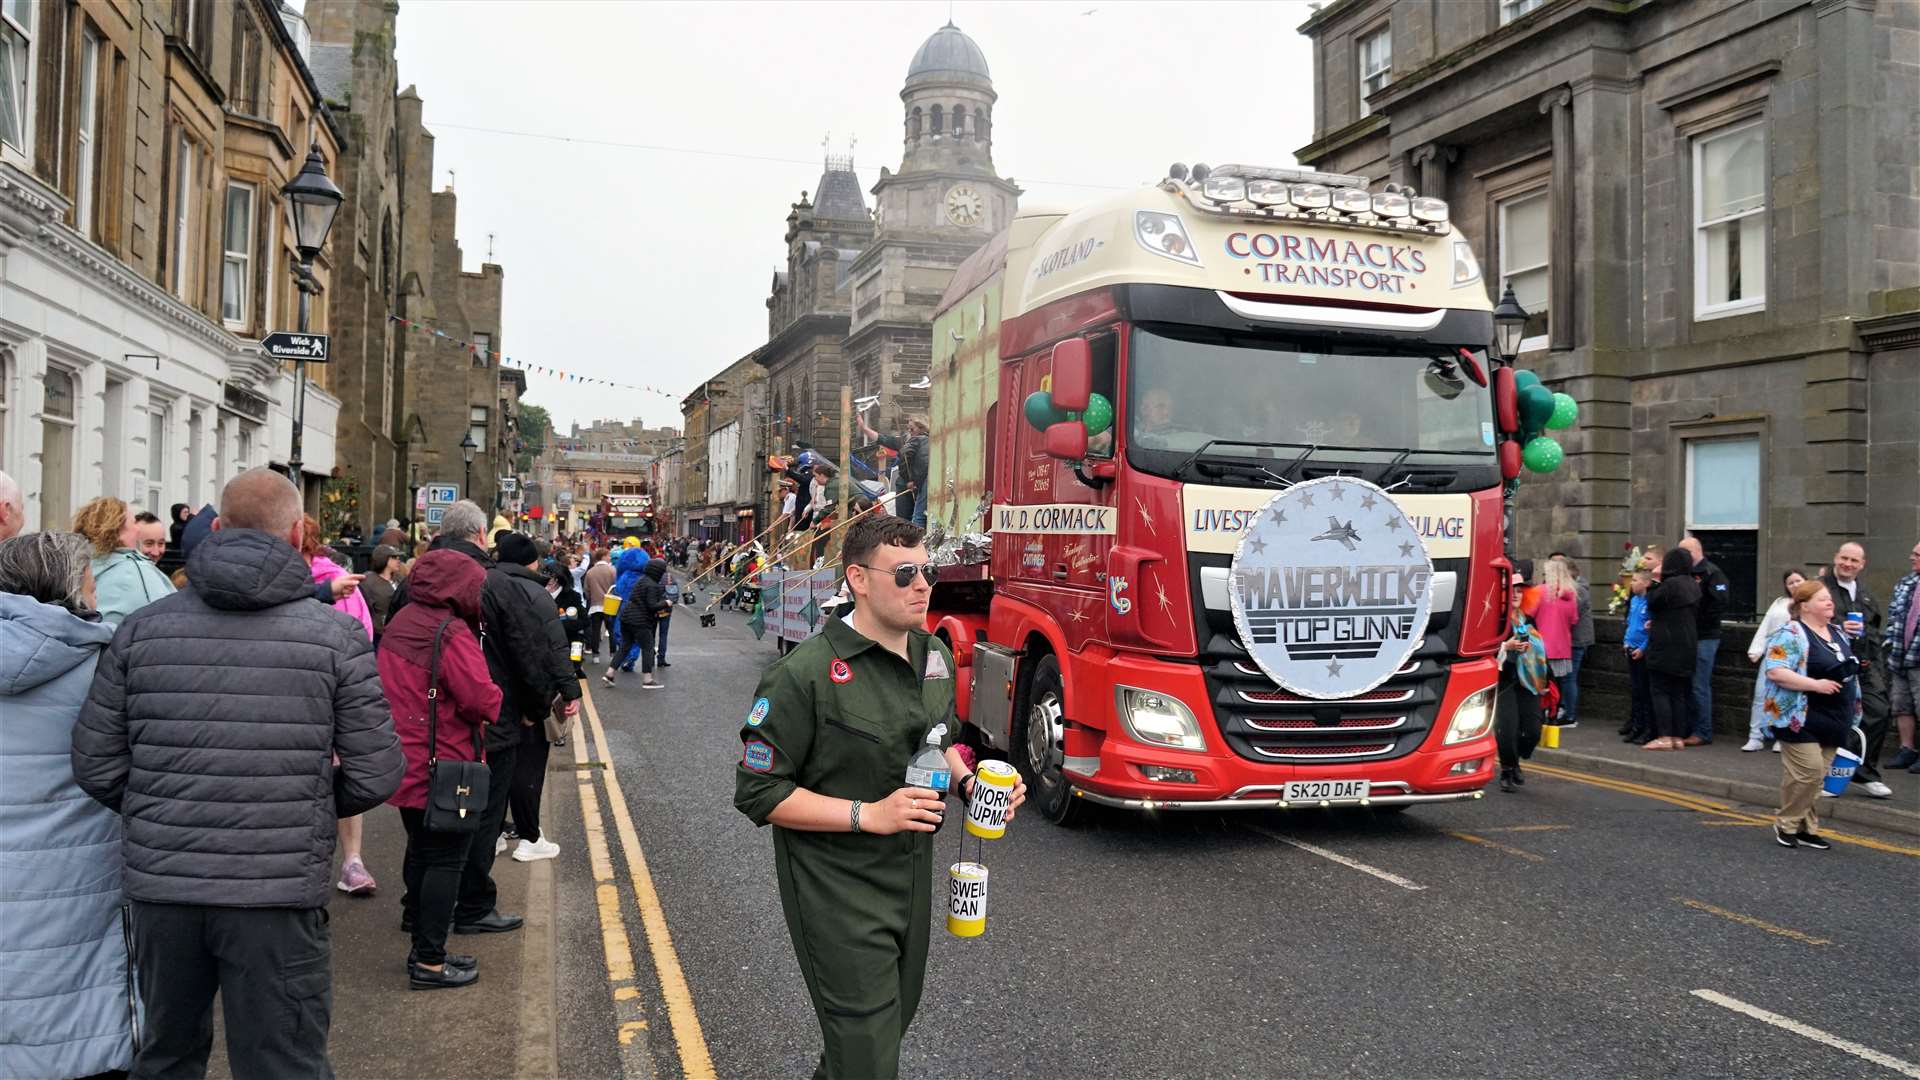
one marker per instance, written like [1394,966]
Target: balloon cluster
[1541,410]
[1042,413]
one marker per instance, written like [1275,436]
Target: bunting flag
[758,623]
[536,369]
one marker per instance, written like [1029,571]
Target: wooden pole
[807,542]
[846,450]
[717,565]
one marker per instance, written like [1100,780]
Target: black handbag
[456,790]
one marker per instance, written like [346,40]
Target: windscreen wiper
[1211,443]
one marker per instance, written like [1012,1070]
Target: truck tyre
[1041,745]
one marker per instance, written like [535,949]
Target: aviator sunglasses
[903,574]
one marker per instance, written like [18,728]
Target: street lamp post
[467,447]
[1509,326]
[312,202]
[413,493]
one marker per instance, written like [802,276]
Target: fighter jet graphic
[1337,531]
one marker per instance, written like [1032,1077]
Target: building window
[236,266]
[56,450]
[1730,221]
[1723,510]
[244,86]
[6,402]
[16,49]
[1525,223]
[482,345]
[157,417]
[182,217]
[87,134]
[477,427]
[1376,64]
[272,280]
[1513,9]
[939,120]
[113,439]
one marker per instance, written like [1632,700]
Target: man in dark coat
[1707,618]
[1850,597]
[231,724]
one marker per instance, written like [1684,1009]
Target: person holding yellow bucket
[1524,676]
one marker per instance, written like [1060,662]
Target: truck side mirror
[1066,440]
[1072,375]
[1506,400]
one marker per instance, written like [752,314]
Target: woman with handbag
[1813,702]
[436,682]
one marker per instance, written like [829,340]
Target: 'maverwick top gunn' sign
[1330,588]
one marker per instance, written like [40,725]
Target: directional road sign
[286,345]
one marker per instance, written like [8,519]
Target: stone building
[944,203]
[144,251]
[354,65]
[723,476]
[1712,209]
[855,305]
[451,376]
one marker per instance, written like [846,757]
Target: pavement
[503,1025]
[1721,770]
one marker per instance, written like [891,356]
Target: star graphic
[1077,615]
[1487,608]
[1165,601]
[1307,499]
[1333,668]
[1393,523]
[1277,516]
[1145,517]
[1406,550]
[1367,500]
[1338,493]
[1256,545]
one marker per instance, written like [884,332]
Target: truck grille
[1265,723]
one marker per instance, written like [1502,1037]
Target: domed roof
[949,52]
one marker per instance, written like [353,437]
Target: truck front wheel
[1042,743]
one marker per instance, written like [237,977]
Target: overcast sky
[652,266]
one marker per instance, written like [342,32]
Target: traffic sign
[287,345]
[441,493]
[509,484]
[435,515]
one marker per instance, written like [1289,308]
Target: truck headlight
[1164,235]
[1158,720]
[1472,718]
[1466,268]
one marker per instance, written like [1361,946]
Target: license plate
[1330,790]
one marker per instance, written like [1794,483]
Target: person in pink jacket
[1559,610]
[354,878]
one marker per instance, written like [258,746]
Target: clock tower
[945,202]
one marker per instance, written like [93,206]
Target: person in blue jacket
[1639,730]
[628,565]
[63,945]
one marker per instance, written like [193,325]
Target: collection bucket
[1845,761]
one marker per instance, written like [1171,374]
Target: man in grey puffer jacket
[213,727]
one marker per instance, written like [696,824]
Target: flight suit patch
[758,715]
[937,666]
[839,672]
[758,757]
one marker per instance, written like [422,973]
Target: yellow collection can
[966,899]
[993,785]
[1550,736]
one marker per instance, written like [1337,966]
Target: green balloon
[1098,415]
[1523,379]
[1542,455]
[1536,407]
[1565,412]
[1040,411]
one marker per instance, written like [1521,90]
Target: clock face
[964,205]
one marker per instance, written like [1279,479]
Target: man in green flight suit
[827,743]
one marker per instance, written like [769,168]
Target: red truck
[1120,393]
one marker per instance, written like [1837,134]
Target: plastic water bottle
[929,769]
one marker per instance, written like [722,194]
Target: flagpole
[756,539]
[809,540]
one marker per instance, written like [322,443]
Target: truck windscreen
[1362,404]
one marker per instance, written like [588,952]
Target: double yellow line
[1708,806]
[695,1061]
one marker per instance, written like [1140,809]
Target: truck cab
[1204,344]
